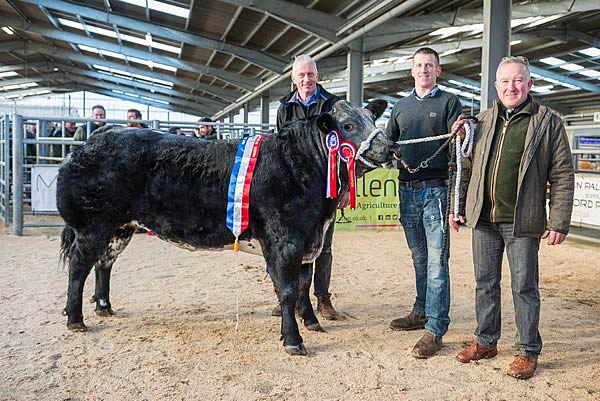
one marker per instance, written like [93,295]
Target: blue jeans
[489,242]
[422,216]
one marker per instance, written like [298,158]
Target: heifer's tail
[66,241]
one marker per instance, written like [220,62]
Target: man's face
[70,126]
[512,84]
[131,116]
[425,70]
[98,113]
[204,130]
[305,77]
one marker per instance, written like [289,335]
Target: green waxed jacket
[546,160]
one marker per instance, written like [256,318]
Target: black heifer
[177,187]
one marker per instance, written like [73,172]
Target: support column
[496,44]
[264,108]
[355,73]
[246,113]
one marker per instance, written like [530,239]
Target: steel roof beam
[559,77]
[49,31]
[225,94]
[101,91]
[256,57]
[305,19]
[404,28]
[141,85]
[109,86]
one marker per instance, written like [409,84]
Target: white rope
[365,145]
[463,150]
[426,139]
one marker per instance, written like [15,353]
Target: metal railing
[32,148]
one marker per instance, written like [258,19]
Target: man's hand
[455,224]
[344,200]
[459,126]
[554,237]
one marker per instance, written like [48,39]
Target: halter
[365,145]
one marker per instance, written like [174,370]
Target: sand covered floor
[174,334]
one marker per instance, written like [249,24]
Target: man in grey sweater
[428,111]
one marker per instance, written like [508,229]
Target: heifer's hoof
[104,312]
[77,327]
[296,349]
[93,299]
[314,327]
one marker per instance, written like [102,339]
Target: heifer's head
[357,125]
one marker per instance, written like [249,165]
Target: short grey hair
[515,60]
[303,59]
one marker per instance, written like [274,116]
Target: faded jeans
[422,216]
[489,242]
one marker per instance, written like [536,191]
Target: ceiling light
[552,61]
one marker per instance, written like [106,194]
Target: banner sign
[586,203]
[43,188]
[376,203]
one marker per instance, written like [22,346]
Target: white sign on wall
[43,188]
[586,203]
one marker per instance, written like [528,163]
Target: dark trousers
[323,265]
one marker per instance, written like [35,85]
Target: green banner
[376,203]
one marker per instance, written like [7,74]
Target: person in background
[132,115]
[56,150]
[203,131]
[521,149]
[176,131]
[81,134]
[427,111]
[306,100]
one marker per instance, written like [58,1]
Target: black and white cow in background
[178,186]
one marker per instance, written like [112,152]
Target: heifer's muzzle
[366,145]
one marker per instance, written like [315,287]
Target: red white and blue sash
[238,199]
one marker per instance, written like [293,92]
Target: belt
[416,184]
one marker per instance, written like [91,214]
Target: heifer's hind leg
[305,308]
[88,247]
[119,241]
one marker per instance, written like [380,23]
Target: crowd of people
[521,156]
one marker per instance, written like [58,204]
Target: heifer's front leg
[287,282]
[305,308]
[102,294]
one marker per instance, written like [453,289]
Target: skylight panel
[8,30]
[552,61]
[18,86]
[89,49]
[545,20]
[542,89]
[160,6]
[590,73]
[69,23]
[151,64]
[591,51]
[131,94]
[154,100]
[8,74]
[403,93]
[571,67]
[570,86]
[449,52]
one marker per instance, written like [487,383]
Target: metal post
[7,140]
[496,44]
[355,73]
[155,124]
[264,110]
[17,162]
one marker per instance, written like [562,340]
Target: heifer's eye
[348,127]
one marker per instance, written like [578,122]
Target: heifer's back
[177,186]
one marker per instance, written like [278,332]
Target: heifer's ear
[326,122]
[377,107]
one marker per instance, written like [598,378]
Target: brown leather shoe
[476,352]
[411,322]
[325,308]
[523,366]
[427,346]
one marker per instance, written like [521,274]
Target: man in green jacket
[520,149]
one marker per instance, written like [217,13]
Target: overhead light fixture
[590,51]
[552,61]
[160,6]
[8,30]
